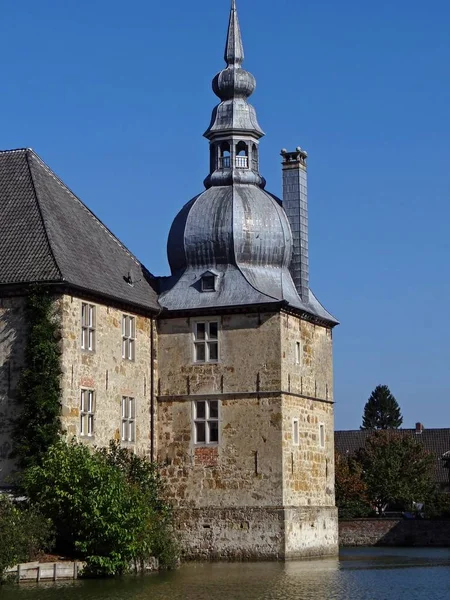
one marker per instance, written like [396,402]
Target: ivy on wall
[39,390]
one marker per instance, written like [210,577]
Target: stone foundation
[256,533]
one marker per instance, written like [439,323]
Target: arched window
[242,156]
[255,158]
[224,156]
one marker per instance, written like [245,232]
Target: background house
[436,441]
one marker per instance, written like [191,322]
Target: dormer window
[208,282]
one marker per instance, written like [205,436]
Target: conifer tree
[382,410]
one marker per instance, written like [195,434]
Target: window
[87,326]
[295,433]
[322,435]
[206,341]
[128,419]
[298,355]
[206,422]
[87,412]
[128,337]
[209,283]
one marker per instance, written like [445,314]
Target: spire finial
[234,50]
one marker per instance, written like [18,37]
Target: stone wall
[312,376]
[105,372]
[249,356]
[13,330]
[256,472]
[244,469]
[393,532]
[308,468]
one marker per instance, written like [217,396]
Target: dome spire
[234,49]
[234,131]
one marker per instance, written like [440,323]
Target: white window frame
[207,420]
[322,437]
[207,342]
[88,322]
[87,412]
[295,432]
[128,423]
[128,337]
[298,353]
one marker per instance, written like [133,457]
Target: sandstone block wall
[308,468]
[313,375]
[256,473]
[106,372]
[394,532]
[13,330]
[249,356]
[244,469]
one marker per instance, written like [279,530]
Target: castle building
[222,371]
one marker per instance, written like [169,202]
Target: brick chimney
[419,428]
[295,204]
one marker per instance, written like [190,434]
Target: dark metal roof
[233,85]
[436,441]
[48,235]
[234,227]
[243,233]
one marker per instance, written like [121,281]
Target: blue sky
[115,97]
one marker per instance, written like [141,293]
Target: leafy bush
[23,534]
[438,506]
[351,491]
[106,505]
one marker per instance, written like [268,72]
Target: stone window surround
[207,345]
[322,435]
[87,412]
[128,423]
[298,353]
[206,414]
[88,326]
[295,432]
[128,337]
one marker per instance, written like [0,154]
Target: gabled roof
[47,235]
[436,441]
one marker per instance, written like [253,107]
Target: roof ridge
[83,205]
[15,150]
[41,216]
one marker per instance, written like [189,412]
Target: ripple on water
[359,574]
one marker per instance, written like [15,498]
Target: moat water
[358,574]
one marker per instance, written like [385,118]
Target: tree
[351,491]
[381,410]
[39,389]
[107,506]
[396,469]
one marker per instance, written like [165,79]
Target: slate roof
[436,441]
[48,235]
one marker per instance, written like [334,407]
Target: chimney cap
[419,428]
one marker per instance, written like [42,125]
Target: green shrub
[438,506]
[23,534]
[106,505]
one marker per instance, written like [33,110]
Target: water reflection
[359,574]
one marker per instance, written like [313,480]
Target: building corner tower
[245,390]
